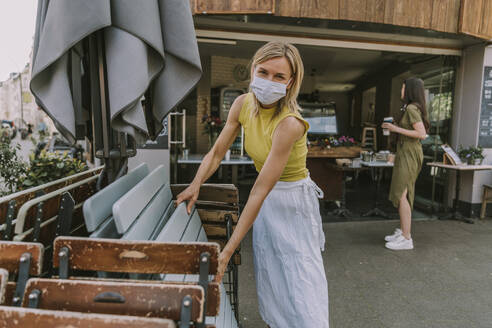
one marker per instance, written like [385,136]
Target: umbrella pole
[93,86]
[111,146]
[106,130]
[99,104]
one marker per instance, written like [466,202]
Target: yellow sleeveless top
[258,134]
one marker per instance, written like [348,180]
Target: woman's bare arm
[212,160]
[418,131]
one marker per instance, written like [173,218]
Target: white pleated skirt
[287,242]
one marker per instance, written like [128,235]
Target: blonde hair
[275,49]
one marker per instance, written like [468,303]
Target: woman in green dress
[411,128]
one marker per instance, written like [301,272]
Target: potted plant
[213,126]
[346,141]
[471,155]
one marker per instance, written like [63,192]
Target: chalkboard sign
[485,128]
[227,97]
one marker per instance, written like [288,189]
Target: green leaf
[28,182]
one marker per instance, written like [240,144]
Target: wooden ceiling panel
[475,17]
[375,11]
[328,9]
[486,24]
[354,10]
[472,17]
[235,6]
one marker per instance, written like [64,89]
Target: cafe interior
[345,96]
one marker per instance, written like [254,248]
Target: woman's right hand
[190,194]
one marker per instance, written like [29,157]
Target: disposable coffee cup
[228,155]
[386,132]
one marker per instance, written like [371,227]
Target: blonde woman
[283,204]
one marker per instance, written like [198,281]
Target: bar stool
[369,137]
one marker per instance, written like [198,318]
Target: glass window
[431,184]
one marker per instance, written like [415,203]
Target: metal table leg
[456,215]
[377,173]
[343,211]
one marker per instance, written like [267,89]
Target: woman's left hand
[389,126]
[223,262]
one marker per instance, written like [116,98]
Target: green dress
[408,159]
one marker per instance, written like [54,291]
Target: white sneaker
[394,235]
[400,243]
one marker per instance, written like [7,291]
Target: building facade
[356,54]
[17,103]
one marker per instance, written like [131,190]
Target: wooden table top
[334,152]
[463,167]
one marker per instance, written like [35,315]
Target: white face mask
[267,92]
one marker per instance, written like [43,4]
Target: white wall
[467,116]
[484,177]
[153,158]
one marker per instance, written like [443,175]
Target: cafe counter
[321,163]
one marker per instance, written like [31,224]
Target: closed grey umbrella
[150,48]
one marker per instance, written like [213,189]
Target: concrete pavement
[446,281]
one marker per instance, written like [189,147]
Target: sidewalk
[446,281]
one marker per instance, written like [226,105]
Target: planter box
[334,152]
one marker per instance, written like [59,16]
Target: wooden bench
[218,209]
[141,212]
[113,297]
[146,212]
[10,204]
[97,209]
[66,200]
[21,259]
[25,317]
[148,257]
[56,213]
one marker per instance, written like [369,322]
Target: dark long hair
[415,95]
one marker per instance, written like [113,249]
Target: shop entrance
[356,88]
